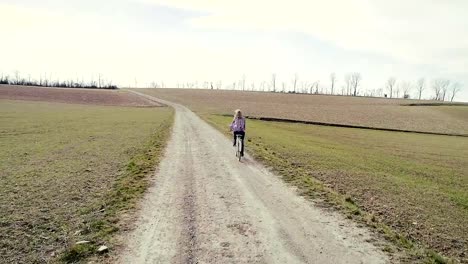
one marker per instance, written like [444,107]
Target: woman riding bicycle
[238,127]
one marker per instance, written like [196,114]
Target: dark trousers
[242,133]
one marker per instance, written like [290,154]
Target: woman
[238,127]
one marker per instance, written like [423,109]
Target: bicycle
[239,146]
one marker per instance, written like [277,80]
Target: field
[74,95]
[410,187]
[360,111]
[69,171]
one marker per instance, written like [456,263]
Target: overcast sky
[178,41]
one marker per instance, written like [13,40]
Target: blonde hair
[237,113]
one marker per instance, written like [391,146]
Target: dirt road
[207,207]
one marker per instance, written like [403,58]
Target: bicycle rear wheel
[239,148]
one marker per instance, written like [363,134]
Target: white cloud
[412,31]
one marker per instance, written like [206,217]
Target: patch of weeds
[78,252]
[349,199]
[356,212]
[437,258]
[388,249]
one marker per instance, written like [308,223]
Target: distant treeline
[351,85]
[44,82]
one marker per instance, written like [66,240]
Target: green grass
[67,172]
[412,188]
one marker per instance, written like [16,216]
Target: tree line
[441,89]
[44,81]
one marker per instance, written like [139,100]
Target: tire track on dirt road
[206,207]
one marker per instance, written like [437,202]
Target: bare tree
[295,82]
[355,80]
[379,92]
[444,90]
[390,85]
[17,77]
[348,84]
[243,82]
[239,84]
[99,80]
[309,87]
[398,88]
[439,85]
[406,86]
[333,80]
[456,87]
[284,87]
[420,86]
[4,79]
[436,86]
[273,82]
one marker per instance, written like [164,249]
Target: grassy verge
[410,188]
[68,172]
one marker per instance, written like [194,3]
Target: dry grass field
[74,96]
[68,172]
[369,112]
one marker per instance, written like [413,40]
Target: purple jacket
[238,124]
